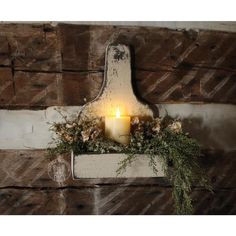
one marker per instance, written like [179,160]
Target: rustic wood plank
[30,168]
[153,47]
[222,202]
[168,65]
[28,187]
[28,201]
[6,86]
[80,201]
[183,85]
[133,200]
[80,88]
[21,30]
[32,47]
[34,168]
[168,86]
[4,52]
[36,89]
[214,49]
[110,200]
[75,46]
[31,202]
[158,201]
[25,169]
[220,167]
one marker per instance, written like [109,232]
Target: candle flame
[117,112]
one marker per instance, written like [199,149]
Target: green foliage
[155,137]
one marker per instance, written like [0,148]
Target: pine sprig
[162,138]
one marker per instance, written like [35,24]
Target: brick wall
[43,65]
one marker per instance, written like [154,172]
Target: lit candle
[118,127]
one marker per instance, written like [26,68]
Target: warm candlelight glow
[117,112]
[118,127]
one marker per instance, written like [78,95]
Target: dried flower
[85,135]
[135,121]
[68,126]
[68,138]
[96,133]
[176,127]
[157,125]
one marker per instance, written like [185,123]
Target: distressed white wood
[229,26]
[105,166]
[24,129]
[117,90]
[28,129]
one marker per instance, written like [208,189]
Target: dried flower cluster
[78,130]
[153,137]
[156,125]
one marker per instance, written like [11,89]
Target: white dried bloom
[95,133]
[176,127]
[85,135]
[135,121]
[157,126]
[68,126]
[68,138]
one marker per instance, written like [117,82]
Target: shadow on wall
[213,125]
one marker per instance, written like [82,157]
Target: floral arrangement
[161,137]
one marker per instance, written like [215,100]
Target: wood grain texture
[110,200]
[168,65]
[26,187]
[36,89]
[30,47]
[153,48]
[42,65]
[29,168]
[6,86]
[30,202]
[195,85]
[80,87]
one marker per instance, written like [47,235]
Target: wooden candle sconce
[117,91]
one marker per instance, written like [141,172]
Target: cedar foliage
[164,138]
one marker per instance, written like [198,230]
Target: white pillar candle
[117,128]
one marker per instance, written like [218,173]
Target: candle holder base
[87,166]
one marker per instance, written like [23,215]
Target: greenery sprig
[164,138]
